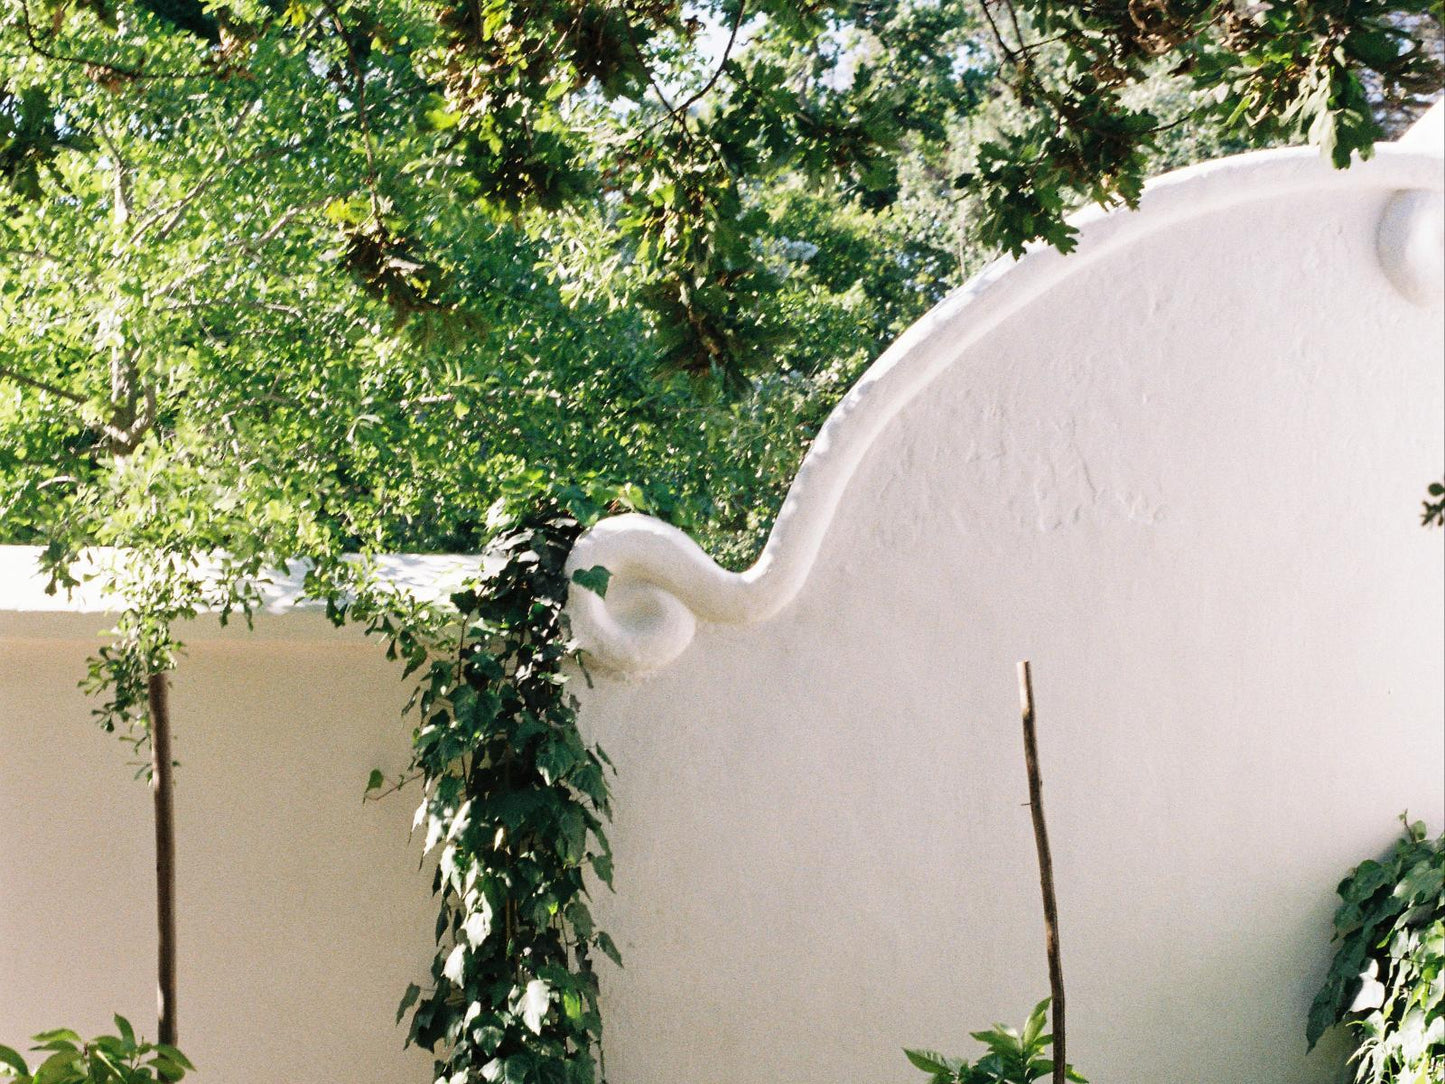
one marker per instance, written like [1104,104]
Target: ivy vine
[513,808]
[1386,983]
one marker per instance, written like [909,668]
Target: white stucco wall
[302,914]
[1182,476]
[1179,470]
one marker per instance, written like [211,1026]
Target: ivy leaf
[595,579]
[602,864]
[455,965]
[535,1001]
[413,991]
[1423,881]
[609,948]
[478,924]
[928,1060]
[11,1059]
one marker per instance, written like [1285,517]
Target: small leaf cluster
[514,802]
[1433,512]
[1387,980]
[1014,1057]
[106,1059]
[30,140]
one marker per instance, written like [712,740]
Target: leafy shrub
[1387,982]
[107,1059]
[1012,1058]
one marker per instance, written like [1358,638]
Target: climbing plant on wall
[513,806]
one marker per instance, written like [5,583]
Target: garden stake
[1046,872]
[161,788]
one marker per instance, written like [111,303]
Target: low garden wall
[302,914]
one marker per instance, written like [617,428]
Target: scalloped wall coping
[27,611]
[663,582]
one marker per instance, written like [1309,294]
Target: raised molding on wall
[663,582]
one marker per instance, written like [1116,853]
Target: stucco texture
[302,914]
[1185,485]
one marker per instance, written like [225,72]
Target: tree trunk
[162,789]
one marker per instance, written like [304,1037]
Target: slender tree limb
[722,64]
[122,438]
[178,209]
[1013,16]
[997,34]
[1046,871]
[120,71]
[395,788]
[282,221]
[41,385]
[36,254]
[122,210]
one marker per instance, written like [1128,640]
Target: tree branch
[722,65]
[207,179]
[997,34]
[119,70]
[122,211]
[41,385]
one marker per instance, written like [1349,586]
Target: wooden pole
[1046,870]
[162,784]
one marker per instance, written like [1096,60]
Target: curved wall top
[663,582]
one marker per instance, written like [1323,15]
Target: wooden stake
[158,700]
[1046,870]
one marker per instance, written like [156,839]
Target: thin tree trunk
[161,789]
[1046,870]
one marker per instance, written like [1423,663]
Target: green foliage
[1014,1057]
[265,296]
[30,140]
[1267,72]
[641,117]
[1387,980]
[1433,513]
[106,1059]
[514,801]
